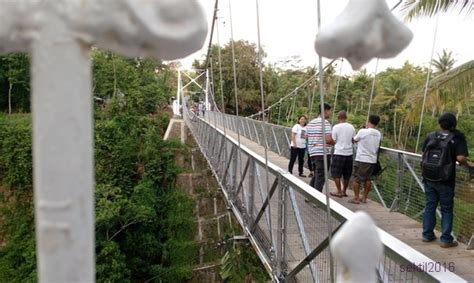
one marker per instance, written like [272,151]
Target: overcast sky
[288,28]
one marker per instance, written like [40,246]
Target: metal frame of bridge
[285,219]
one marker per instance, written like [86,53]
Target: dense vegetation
[397,98]
[144,225]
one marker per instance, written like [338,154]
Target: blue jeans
[444,195]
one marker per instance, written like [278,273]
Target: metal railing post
[398,188]
[276,141]
[235,164]
[250,202]
[280,230]
[250,132]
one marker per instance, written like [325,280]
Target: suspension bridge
[289,223]
[286,219]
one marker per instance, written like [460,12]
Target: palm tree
[451,90]
[444,63]
[420,8]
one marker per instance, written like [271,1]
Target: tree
[16,72]
[247,76]
[429,8]
[444,63]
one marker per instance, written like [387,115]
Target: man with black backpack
[441,150]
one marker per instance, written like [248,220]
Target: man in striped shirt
[315,144]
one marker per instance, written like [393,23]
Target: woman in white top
[298,145]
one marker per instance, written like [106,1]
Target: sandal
[353,201]
[336,195]
[345,195]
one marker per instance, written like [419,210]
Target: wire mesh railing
[400,186]
[286,219]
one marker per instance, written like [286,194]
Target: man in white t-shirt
[341,163]
[368,143]
[298,145]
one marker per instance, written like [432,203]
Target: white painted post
[208,88]
[178,93]
[63,156]
[59,34]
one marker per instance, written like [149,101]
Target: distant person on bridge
[202,108]
[315,144]
[441,150]
[368,143]
[298,145]
[341,164]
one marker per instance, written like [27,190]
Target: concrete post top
[166,29]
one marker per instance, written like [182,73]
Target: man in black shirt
[442,192]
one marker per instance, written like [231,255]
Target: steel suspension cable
[220,68]
[279,112]
[212,92]
[426,84]
[372,89]
[337,91]
[375,73]
[304,84]
[212,32]
[260,63]
[325,161]
[221,84]
[234,70]
[313,92]
[233,61]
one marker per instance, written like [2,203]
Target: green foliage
[18,254]
[15,152]
[144,224]
[136,85]
[240,264]
[15,82]
[138,207]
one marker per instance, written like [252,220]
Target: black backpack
[437,160]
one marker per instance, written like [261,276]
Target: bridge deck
[397,224]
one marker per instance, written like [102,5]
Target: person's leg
[429,215]
[293,155]
[356,183]
[312,182]
[355,187]
[310,166]
[446,202]
[301,152]
[337,162]
[319,165]
[367,187]
[346,173]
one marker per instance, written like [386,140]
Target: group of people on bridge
[339,145]
[441,150]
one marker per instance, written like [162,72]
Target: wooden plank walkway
[398,225]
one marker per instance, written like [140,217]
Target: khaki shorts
[362,171]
